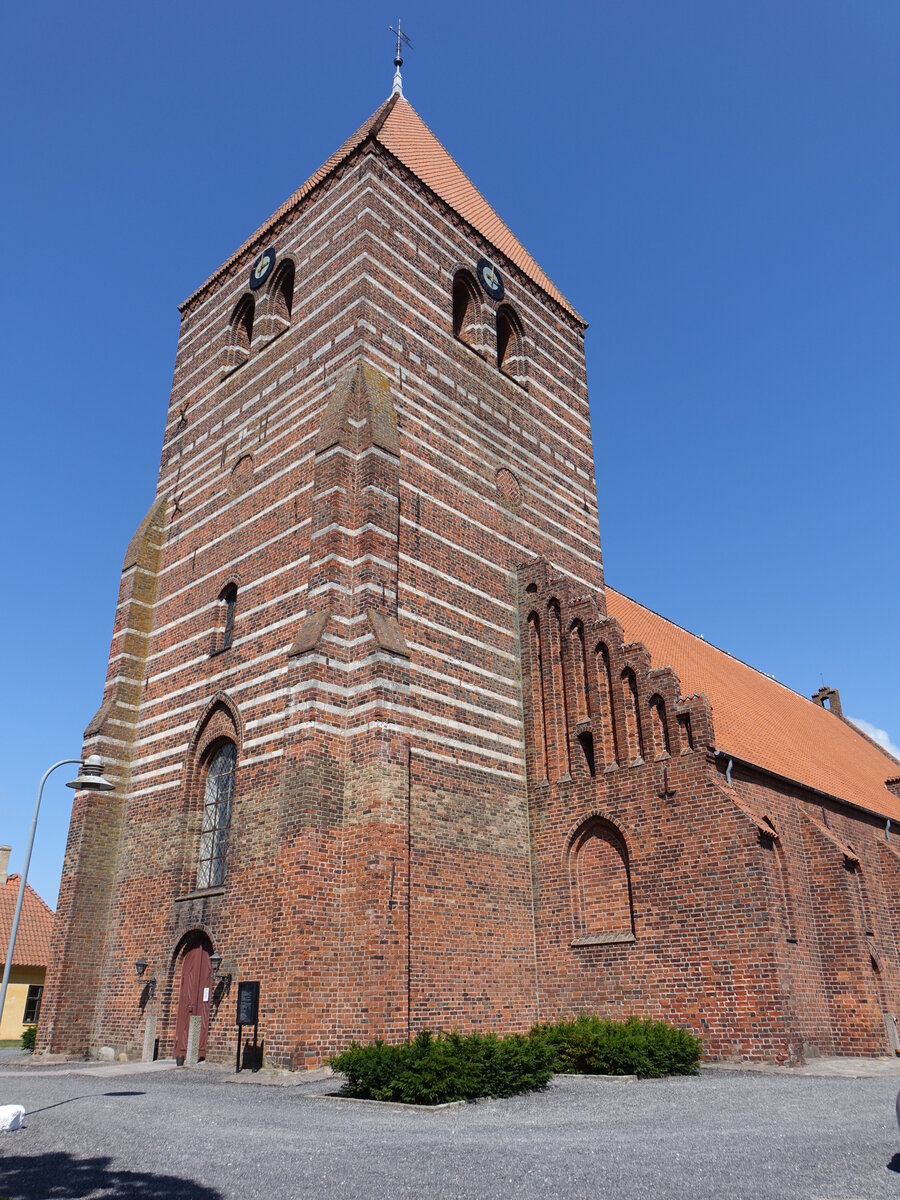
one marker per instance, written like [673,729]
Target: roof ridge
[714,646]
[372,124]
[29,891]
[872,742]
[412,143]
[547,286]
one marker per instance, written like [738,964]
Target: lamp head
[90,777]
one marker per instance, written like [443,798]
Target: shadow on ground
[894,1164]
[71,1100]
[23,1177]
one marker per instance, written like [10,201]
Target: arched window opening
[217,799]
[240,333]
[579,673]
[282,292]
[558,714]
[586,742]
[602,884]
[465,308]
[687,736]
[537,697]
[228,598]
[510,343]
[659,725]
[632,716]
[606,717]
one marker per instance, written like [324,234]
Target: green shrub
[594,1046]
[436,1068]
[28,1036]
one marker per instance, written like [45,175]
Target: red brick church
[383,739]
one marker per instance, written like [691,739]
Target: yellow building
[32,953]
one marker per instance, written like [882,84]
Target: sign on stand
[248,1014]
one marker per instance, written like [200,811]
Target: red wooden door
[194,998]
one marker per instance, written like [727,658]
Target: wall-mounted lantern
[140,967]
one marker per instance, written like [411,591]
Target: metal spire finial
[402,39]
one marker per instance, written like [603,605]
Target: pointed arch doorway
[194,994]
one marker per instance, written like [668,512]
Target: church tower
[384,743]
[313,708]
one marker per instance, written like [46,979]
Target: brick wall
[443,744]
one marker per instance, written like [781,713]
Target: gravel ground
[179,1134]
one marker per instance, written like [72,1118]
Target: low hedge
[28,1037]
[436,1068]
[591,1045]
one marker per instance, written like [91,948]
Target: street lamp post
[90,779]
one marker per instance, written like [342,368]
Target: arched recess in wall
[633,730]
[510,343]
[281,294]
[466,308]
[581,696]
[557,705]
[239,334]
[783,879]
[608,747]
[601,884]
[539,718]
[209,790]
[227,611]
[659,725]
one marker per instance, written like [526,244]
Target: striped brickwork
[463,798]
[344,476]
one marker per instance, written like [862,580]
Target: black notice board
[248,1003]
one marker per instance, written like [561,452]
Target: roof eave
[807,787]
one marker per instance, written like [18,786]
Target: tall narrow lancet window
[510,343]
[228,597]
[606,717]
[465,308]
[557,709]
[584,732]
[659,725]
[282,292]
[240,333]
[537,697]
[217,799]
[632,716]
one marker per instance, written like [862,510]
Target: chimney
[829,698]
[5,852]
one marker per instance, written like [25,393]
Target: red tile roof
[400,129]
[763,722]
[35,925]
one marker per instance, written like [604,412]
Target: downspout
[721,754]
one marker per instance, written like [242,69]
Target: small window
[33,1004]
[510,343]
[218,795]
[465,308]
[240,333]
[228,597]
[283,292]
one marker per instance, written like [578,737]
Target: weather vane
[402,40]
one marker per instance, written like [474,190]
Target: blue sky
[715,186]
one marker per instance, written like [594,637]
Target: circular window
[508,487]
